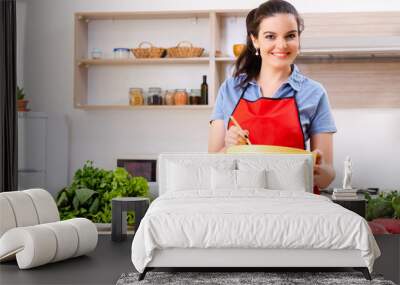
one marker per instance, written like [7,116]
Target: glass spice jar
[136,96]
[149,99]
[121,53]
[169,97]
[195,97]
[96,53]
[154,96]
[181,97]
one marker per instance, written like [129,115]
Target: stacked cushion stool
[31,230]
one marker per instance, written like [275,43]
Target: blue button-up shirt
[312,101]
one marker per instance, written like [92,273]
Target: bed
[247,210]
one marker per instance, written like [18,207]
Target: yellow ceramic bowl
[238,49]
[269,149]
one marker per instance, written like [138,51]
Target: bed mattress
[250,219]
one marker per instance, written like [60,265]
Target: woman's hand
[323,172]
[317,165]
[235,136]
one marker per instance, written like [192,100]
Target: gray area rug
[229,278]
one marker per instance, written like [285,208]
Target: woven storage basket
[148,52]
[184,51]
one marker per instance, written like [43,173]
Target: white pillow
[282,174]
[291,179]
[193,174]
[223,179]
[227,179]
[188,177]
[251,178]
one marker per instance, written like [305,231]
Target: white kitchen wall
[45,56]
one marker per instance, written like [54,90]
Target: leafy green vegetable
[84,194]
[385,205]
[95,206]
[62,199]
[92,190]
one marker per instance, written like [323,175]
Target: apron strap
[298,114]
[237,103]
[244,91]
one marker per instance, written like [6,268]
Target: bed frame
[249,258]
[242,259]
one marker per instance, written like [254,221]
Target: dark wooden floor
[110,259]
[102,266]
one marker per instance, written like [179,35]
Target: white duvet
[250,219]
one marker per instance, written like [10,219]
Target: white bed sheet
[252,218]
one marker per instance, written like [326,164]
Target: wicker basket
[184,51]
[149,52]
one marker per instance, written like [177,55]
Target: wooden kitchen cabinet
[356,56]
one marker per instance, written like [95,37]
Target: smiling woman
[268,96]
[273,38]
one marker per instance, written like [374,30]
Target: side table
[119,208]
[357,205]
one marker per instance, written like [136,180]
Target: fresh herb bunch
[92,190]
[385,205]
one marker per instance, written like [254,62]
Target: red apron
[271,121]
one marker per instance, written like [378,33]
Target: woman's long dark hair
[249,63]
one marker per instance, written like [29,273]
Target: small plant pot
[21,105]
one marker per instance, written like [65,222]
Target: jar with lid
[181,97]
[121,53]
[195,97]
[96,53]
[154,96]
[169,97]
[136,96]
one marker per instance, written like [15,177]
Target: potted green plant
[92,190]
[22,103]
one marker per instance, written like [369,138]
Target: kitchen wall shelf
[145,15]
[356,56]
[88,62]
[144,107]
